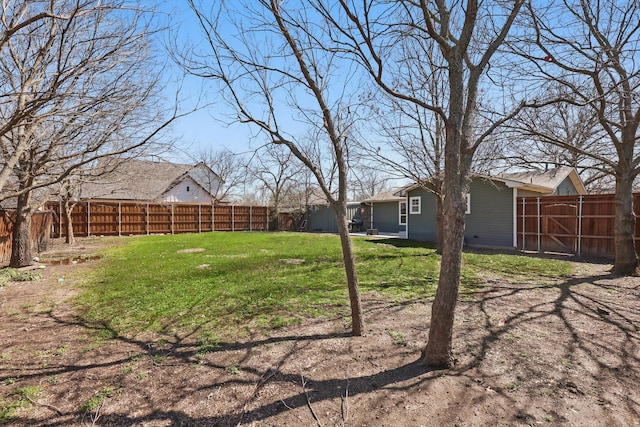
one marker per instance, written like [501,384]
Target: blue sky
[201,130]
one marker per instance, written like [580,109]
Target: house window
[403,213]
[415,205]
[468,207]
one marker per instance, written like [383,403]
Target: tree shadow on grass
[182,351]
[567,306]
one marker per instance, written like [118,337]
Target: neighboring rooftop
[136,179]
[539,181]
[385,196]
[550,178]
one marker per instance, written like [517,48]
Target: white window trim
[400,214]
[410,206]
[468,201]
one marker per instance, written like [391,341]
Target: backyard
[232,329]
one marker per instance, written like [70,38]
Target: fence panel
[133,219]
[222,218]
[103,219]
[206,218]
[242,218]
[559,225]
[571,224]
[126,217]
[159,219]
[185,218]
[40,234]
[6,228]
[259,218]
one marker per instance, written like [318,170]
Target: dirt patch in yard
[565,354]
[190,250]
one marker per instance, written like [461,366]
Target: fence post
[213,217]
[146,217]
[539,227]
[233,218]
[250,218]
[88,218]
[172,219]
[580,226]
[199,218]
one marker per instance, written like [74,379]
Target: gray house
[388,213]
[491,205]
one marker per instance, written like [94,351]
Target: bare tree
[302,195]
[276,171]
[592,54]
[531,141]
[19,22]
[275,73]
[413,137]
[231,171]
[468,35]
[102,94]
[367,180]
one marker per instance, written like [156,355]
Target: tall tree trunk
[457,163]
[68,209]
[626,261]
[439,222]
[21,255]
[438,352]
[357,322]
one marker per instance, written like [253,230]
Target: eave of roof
[387,196]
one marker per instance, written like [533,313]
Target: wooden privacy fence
[581,225]
[40,235]
[107,218]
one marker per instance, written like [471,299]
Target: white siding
[187,191]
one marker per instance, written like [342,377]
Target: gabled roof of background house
[136,179]
[543,182]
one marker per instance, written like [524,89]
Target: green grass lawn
[216,282]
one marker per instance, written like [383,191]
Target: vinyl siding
[566,188]
[179,193]
[422,227]
[490,222]
[322,218]
[386,217]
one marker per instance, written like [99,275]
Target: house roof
[543,182]
[385,196]
[136,179]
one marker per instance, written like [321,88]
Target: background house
[388,213]
[491,205]
[145,180]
